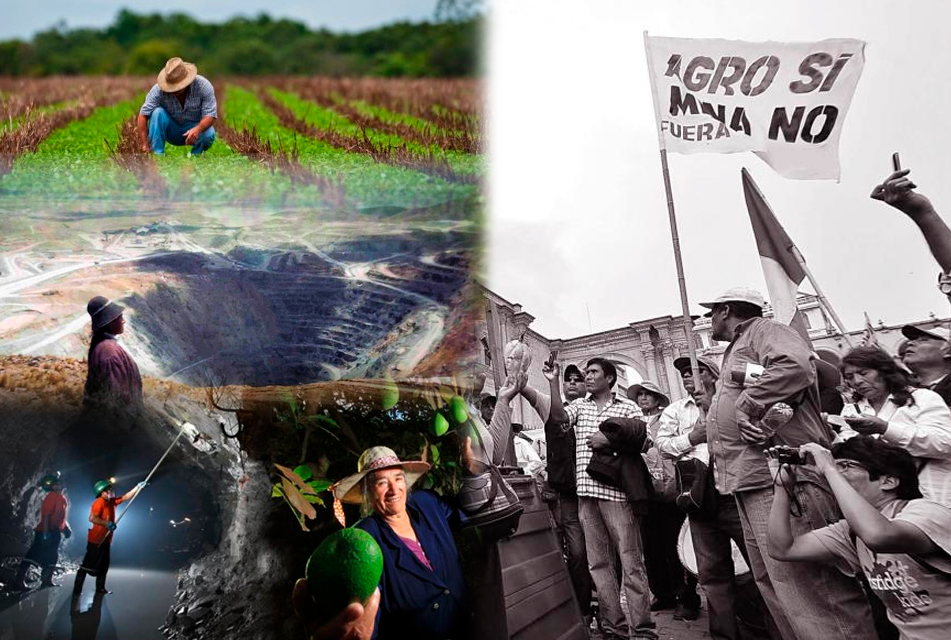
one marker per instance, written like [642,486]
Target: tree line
[139,44]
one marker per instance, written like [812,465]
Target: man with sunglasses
[900,541]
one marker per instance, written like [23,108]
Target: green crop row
[325,118]
[367,182]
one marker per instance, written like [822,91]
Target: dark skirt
[44,553]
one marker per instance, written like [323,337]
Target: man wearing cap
[560,461]
[768,362]
[113,378]
[51,528]
[927,355]
[682,435]
[102,515]
[179,109]
[668,581]
[611,526]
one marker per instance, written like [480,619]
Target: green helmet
[47,482]
[101,486]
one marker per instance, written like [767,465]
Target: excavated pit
[300,318]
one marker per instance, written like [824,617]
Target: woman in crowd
[886,406]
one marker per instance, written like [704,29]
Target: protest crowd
[818,497]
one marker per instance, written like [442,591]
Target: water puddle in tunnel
[134,611]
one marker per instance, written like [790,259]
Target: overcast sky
[23,18]
[578,214]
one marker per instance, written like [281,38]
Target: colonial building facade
[646,349]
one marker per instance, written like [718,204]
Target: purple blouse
[417,550]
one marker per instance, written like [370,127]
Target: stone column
[650,362]
[673,377]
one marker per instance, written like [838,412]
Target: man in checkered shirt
[180,109]
[611,528]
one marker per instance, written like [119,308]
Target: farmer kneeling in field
[179,109]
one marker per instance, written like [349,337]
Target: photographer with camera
[900,541]
[768,364]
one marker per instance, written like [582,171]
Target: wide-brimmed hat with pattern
[176,75]
[374,459]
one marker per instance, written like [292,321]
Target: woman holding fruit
[422,593]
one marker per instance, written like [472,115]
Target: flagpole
[671,213]
[822,298]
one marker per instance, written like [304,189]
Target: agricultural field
[284,141]
[328,232]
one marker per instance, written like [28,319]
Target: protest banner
[784,101]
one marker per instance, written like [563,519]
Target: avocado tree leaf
[304,472]
[314,499]
[277,492]
[320,484]
[297,500]
[296,479]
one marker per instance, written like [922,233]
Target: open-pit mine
[278,302]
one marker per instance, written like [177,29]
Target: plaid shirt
[199,102]
[584,416]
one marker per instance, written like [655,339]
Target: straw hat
[176,75]
[374,459]
[650,387]
[102,310]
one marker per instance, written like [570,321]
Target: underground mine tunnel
[170,526]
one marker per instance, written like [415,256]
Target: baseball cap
[737,294]
[682,364]
[937,333]
[571,368]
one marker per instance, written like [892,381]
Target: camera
[785,454]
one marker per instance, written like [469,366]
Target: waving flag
[779,257]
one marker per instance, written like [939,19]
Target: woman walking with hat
[113,379]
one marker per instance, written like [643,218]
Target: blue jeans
[163,129]
[732,601]
[611,529]
[807,600]
[569,525]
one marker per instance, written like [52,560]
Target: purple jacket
[113,378]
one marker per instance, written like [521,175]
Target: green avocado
[390,396]
[345,568]
[440,425]
[459,409]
